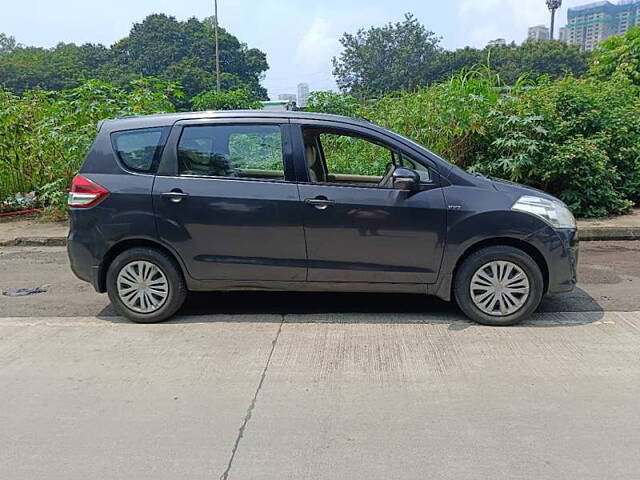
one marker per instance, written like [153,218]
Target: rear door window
[235,151]
[139,149]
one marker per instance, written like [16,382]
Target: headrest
[310,155]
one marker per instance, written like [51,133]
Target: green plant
[240,99]
[619,55]
[44,136]
[582,175]
[334,103]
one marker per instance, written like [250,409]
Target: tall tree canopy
[405,55]
[382,59]
[160,46]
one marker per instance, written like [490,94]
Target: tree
[404,56]
[535,59]
[7,44]
[619,55]
[396,56]
[162,46]
[159,46]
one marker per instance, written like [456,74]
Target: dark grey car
[296,201]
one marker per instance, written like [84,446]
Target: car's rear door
[225,200]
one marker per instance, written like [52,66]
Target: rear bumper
[83,263]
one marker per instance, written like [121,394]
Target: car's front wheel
[498,286]
[145,285]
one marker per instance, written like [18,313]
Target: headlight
[552,212]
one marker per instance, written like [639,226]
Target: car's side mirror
[406,179]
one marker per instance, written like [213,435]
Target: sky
[300,37]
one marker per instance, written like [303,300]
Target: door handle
[321,203]
[175,196]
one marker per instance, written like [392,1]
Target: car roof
[169,119]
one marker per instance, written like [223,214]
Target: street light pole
[553,6]
[217,47]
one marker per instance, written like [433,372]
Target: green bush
[582,175]
[578,139]
[44,136]
[240,99]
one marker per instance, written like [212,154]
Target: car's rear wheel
[498,286]
[145,285]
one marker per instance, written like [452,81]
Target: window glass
[138,149]
[425,176]
[348,155]
[242,151]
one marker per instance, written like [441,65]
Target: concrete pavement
[358,396]
[315,386]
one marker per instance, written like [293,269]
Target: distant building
[291,97]
[538,33]
[563,35]
[498,42]
[303,95]
[278,105]
[591,24]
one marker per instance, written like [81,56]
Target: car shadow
[365,308]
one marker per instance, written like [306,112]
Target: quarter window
[138,149]
[236,151]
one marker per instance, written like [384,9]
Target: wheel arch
[127,244]
[526,247]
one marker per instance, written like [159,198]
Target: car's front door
[225,200]
[357,227]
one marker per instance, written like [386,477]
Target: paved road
[319,386]
[609,280]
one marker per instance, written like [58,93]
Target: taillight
[85,193]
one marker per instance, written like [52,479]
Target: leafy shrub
[240,99]
[578,139]
[581,174]
[619,55]
[334,103]
[44,136]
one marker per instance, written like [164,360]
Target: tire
[518,305]
[169,290]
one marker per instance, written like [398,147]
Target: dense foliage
[240,99]
[405,56]
[576,138]
[619,56]
[44,136]
[530,114]
[159,46]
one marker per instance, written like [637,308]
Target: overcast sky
[299,36]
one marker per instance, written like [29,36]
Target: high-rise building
[303,94]
[588,25]
[563,34]
[538,33]
[290,97]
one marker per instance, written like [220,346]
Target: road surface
[319,386]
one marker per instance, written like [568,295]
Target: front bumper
[562,253]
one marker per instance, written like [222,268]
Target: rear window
[139,149]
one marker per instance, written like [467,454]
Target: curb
[592,234]
[601,234]
[35,242]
